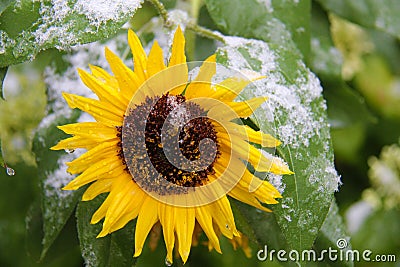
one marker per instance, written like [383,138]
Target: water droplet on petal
[70,150]
[10,171]
[167,262]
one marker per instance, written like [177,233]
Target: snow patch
[100,11]
[179,17]
[276,181]
[59,178]
[61,23]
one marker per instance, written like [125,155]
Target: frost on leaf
[294,109]
[63,23]
[295,113]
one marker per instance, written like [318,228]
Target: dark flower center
[168,145]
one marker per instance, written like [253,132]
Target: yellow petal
[259,161]
[201,85]
[120,206]
[177,67]
[108,79]
[106,168]
[230,88]
[102,151]
[237,109]
[246,197]
[155,63]
[103,75]
[93,130]
[243,242]
[265,140]
[271,164]
[247,133]
[102,210]
[263,190]
[178,49]
[148,216]
[76,142]
[246,108]
[184,226]
[167,219]
[97,188]
[132,212]
[103,91]
[204,218]
[139,56]
[101,111]
[128,81]
[223,216]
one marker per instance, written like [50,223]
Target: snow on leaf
[100,11]
[295,113]
[61,24]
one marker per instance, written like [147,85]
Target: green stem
[162,12]
[191,35]
[191,26]
[205,32]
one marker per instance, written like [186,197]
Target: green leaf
[43,25]
[279,22]
[379,15]
[296,114]
[261,228]
[3,72]
[115,249]
[4,4]
[57,205]
[332,234]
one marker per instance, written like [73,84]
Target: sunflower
[168,149]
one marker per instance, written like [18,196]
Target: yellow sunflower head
[168,149]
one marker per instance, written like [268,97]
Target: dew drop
[70,150]
[167,262]
[10,171]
